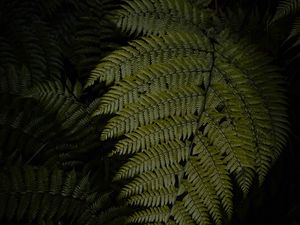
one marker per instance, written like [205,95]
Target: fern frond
[96,36]
[163,196]
[183,101]
[36,49]
[162,177]
[286,8]
[146,51]
[180,71]
[159,156]
[262,99]
[155,214]
[184,157]
[157,17]
[201,191]
[32,188]
[196,208]
[182,216]
[161,131]
[56,98]
[37,194]
[14,81]
[201,3]
[23,121]
[47,121]
[212,164]
[72,115]
[295,28]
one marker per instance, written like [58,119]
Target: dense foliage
[149,112]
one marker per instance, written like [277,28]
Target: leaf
[197,115]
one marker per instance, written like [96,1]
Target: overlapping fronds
[153,17]
[154,78]
[28,40]
[202,3]
[37,194]
[43,121]
[289,8]
[147,51]
[96,36]
[286,8]
[77,131]
[14,81]
[296,27]
[195,114]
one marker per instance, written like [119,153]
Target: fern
[192,116]
[295,28]
[29,41]
[148,50]
[159,16]
[286,8]
[77,130]
[45,122]
[153,78]
[96,36]
[50,123]
[195,114]
[14,81]
[36,194]
[289,8]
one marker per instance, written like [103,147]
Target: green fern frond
[161,131]
[185,156]
[195,207]
[14,81]
[39,52]
[37,194]
[180,71]
[262,99]
[146,51]
[286,8]
[213,166]
[52,93]
[157,105]
[159,156]
[199,186]
[60,101]
[201,3]
[96,36]
[155,214]
[157,17]
[23,191]
[160,197]
[295,28]
[289,8]
[49,124]
[31,128]
[156,180]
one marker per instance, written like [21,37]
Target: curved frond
[286,8]
[295,28]
[154,214]
[146,51]
[180,71]
[196,114]
[23,191]
[152,17]
[161,131]
[159,156]
[37,194]
[182,101]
